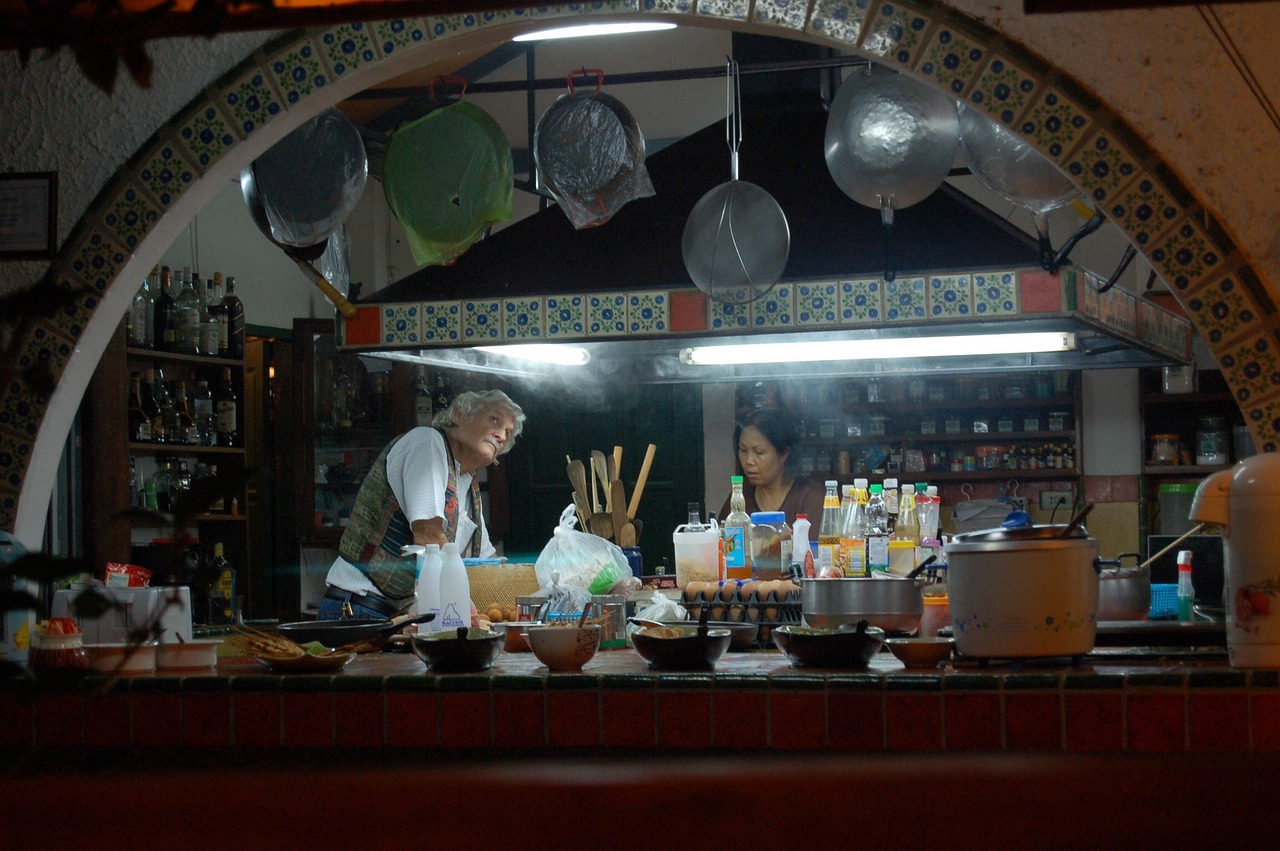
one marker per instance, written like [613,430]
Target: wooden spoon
[601,470]
[618,500]
[640,481]
[627,535]
[601,524]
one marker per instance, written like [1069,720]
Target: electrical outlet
[1051,499]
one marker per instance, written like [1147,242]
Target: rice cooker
[1023,592]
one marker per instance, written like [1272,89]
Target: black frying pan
[338,633]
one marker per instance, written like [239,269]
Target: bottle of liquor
[139,422]
[421,398]
[222,593]
[139,330]
[163,407]
[443,393]
[153,292]
[219,503]
[208,320]
[188,432]
[135,488]
[188,302]
[202,413]
[233,313]
[737,533]
[166,315]
[149,406]
[225,408]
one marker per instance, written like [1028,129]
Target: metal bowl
[681,648]
[828,648]
[891,603]
[459,651]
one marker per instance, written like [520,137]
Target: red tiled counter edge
[387,703]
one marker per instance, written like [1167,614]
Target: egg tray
[768,614]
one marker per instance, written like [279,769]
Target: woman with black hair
[766,440]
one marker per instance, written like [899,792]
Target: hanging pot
[448,177]
[890,143]
[589,152]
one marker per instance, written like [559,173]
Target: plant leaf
[99,63]
[92,603]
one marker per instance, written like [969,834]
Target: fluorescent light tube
[551,353]
[586,30]
[899,347]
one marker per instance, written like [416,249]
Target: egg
[784,590]
[747,590]
[770,614]
[717,613]
[764,590]
[737,612]
[728,588]
[693,590]
[710,592]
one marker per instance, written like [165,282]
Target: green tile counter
[752,702]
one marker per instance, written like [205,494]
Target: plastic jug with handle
[697,547]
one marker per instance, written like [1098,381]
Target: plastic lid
[800,517]
[1184,559]
[906,489]
[860,483]
[737,480]
[877,488]
[832,483]
[891,483]
[1179,488]
[767,517]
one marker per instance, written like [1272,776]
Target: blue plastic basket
[1164,601]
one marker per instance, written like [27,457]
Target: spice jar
[770,545]
[1164,450]
[1211,441]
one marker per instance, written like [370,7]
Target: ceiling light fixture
[551,353]
[586,30]
[902,347]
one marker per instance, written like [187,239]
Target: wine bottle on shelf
[188,302]
[222,593]
[138,329]
[233,310]
[208,320]
[202,413]
[139,421]
[225,408]
[163,405]
[166,315]
[188,432]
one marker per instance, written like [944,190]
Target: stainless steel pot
[1124,593]
[892,603]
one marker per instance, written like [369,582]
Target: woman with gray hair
[421,489]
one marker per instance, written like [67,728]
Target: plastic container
[1212,441]
[770,545]
[697,549]
[936,615]
[1164,450]
[1164,601]
[1175,508]
[455,591]
[430,565]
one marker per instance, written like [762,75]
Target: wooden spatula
[618,501]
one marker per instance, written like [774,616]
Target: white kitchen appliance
[1245,501]
[133,608]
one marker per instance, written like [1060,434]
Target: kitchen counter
[1113,701]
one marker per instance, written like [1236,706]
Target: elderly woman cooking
[420,490]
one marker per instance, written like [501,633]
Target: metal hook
[967,490]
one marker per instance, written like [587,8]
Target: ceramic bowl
[681,648]
[828,648]
[187,655]
[923,653]
[122,658]
[564,648]
[742,634]
[515,633]
[451,653]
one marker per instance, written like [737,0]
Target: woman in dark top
[766,440]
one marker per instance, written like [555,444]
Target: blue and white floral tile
[43,345]
[682,7]
[784,13]
[895,32]
[1223,308]
[995,293]
[522,319]
[1055,124]
[400,324]
[298,71]
[9,497]
[951,60]
[1252,366]
[729,10]
[566,316]
[730,315]
[861,301]
[398,34]
[1103,167]
[1185,255]
[1143,210]
[1003,90]
[817,303]
[15,451]
[251,102]
[839,19]
[775,309]
[166,174]
[606,314]
[481,322]
[950,296]
[96,259]
[904,299]
[131,216]
[206,134]
[349,47]
[441,322]
[1263,414]
[20,411]
[446,26]
[649,313]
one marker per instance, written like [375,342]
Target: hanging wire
[733,113]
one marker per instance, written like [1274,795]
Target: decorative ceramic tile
[130,217]
[441,322]
[895,32]
[1055,124]
[451,25]
[298,71]
[950,296]
[1102,166]
[73,314]
[207,135]
[251,102]
[818,303]
[1163,330]
[1116,307]
[730,316]
[1252,366]
[1143,210]
[398,34]
[1222,309]
[1003,90]
[951,60]
[20,411]
[1264,415]
[606,314]
[481,321]
[166,175]
[401,323]
[861,301]
[683,7]
[522,319]
[96,260]
[785,13]
[995,293]
[14,454]
[840,19]
[566,316]
[43,351]
[775,309]
[649,313]
[904,299]
[1185,255]
[730,10]
[9,502]
[347,47]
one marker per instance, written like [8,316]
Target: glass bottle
[853,544]
[139,421]
[202,413]
[138,327]
[829,528]
[208,320]
[165,324]
[188,320]
[135,488]
[188,431]
[233,314]
[737,533]
[225,410]
[163,406]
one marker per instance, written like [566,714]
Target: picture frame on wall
[28,215]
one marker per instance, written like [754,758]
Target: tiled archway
[214,134]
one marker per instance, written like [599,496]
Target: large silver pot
[892,603]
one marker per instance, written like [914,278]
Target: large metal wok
[890,143]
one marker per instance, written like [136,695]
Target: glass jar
[1060,421]
[879,426]
[1164,450]
[1211,441]
[770,545]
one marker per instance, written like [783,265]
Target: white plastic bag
[583,560]
[660,608]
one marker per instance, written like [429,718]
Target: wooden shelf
[997,437]
[180,357]
[983,475]
[1187,399]
[1186,470]
[182,449]
[1067,403]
